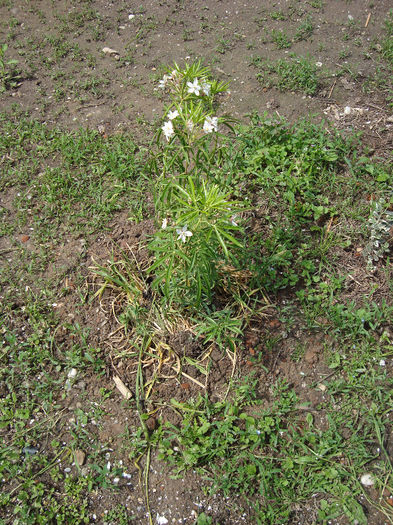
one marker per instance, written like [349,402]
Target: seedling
[8,75]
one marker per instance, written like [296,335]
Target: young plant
[7,72]
[196,214]
[194,240]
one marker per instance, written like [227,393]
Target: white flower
[164,81]
[164,223]
[173,114]
[206,88]
[161,520]
[382,362]
[190,125]
[194,87]
[168,130]
[318,64]
[210,124]
[183,233]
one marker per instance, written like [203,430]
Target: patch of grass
[264,454]
[387,41]
[304,30]
[91,177]
[278,15]
[288,172]
[223,45]
[303,183]
[281,39]
[294,74]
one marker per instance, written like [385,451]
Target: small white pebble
[116,481]
[72,373]
[367,480]
[382,362]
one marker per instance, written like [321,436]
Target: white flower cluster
[210,124]
[197,87]
[166,79]
[167,128]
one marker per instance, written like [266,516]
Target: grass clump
[387,42]
[297,73]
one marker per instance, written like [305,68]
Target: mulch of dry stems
[174,357]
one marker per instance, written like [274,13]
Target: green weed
[387,42]
[264,454]
[281,39]
[8,75]
[294,74]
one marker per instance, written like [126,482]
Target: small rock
[30,451]
[274,323]
[72,373]
[109,51]
[151,423]
[322,387]
[80,457]
[311,355]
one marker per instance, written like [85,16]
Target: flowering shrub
[196,215]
